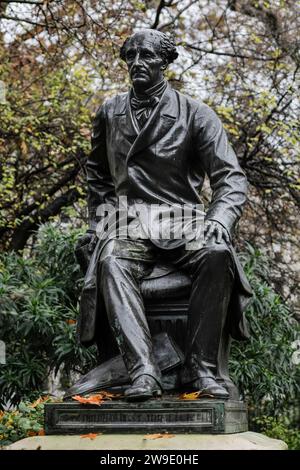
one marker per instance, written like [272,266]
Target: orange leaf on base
[91,435]
[97,399]
[159,436]
[91,400]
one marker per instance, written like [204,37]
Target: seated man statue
[154,145]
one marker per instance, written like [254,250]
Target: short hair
[167,45]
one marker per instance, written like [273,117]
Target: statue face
[144,61]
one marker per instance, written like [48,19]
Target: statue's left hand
[212,228]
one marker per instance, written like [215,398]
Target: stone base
[205,416]
[110,442]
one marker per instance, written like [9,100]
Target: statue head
[147,54]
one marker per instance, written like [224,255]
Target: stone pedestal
[153,416]
[128,442]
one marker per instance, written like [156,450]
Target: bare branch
[228,54]
[29,2]
[22,20]
[160,7]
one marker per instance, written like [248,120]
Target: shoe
[209,386]
[143,388]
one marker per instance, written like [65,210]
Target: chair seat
[172,285]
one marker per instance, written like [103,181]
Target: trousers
[122,266]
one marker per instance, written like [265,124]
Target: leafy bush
[279,428]
[25,421]
[263,367]
[38,311]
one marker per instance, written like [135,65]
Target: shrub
[279,428]
[25,421]
[263,367]
[38,310]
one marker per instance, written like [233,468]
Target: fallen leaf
[159,436]
[195,395]
[70,322]
[190,396]
[91,435]
[38,401]
[31,433]
[91,400]
[97,399]
[41,432]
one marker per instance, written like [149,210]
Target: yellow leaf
[195,395]
[190,396]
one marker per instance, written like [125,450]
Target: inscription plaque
[157,415]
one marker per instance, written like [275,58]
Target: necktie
[143,105]
[143,108]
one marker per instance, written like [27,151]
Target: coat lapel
[158,124]
[124,119]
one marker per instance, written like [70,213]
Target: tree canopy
[59,59]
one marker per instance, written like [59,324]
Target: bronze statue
[155,145]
